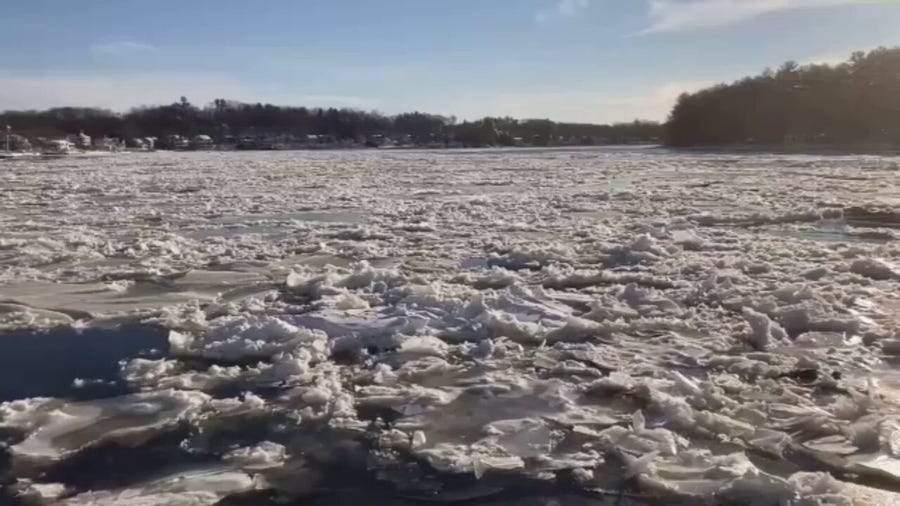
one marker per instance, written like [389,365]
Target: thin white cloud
[329,101]
[836,57]
[120,92]
[575,105]
[687,15]
[832,58]
[571,7]
[561,8]
[393,73]
[121,47]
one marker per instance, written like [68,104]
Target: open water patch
[73,364]
[834,231]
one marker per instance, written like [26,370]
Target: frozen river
[585,326]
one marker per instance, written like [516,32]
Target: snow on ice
[490,313]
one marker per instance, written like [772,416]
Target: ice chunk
[262,456]
[638,424]
[349,301]
[688,239]
[688,385]
[641,465]
[762,329]
[418,439]
[56,428]
[815,273]
[496,278]
[483,464]
[423,346]
[874,268]
[233,338]
[39,493]
[578,330]
[878,463]
[192,488]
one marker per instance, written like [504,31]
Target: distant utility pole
[8,130]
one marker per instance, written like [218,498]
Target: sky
[567,60]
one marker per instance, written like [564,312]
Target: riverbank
[535,149]
[31,156]
[17,156]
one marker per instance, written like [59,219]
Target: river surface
[558,326]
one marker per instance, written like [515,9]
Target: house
[177,142]
[17,143]
[248,142]
[57,147]
[82,141]
[376,141]
[136,143]
[202,142]
[106,144]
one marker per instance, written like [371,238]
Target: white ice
[514,311]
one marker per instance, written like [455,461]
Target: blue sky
[576,60]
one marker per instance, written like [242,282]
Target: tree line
[225,119]
[855,103]
[852,103]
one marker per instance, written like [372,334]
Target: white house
[202,142]
[15,142]
[57,147]
[82,141]
[106,144]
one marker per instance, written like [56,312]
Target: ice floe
[587,317]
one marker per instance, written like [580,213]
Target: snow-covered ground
[624,324]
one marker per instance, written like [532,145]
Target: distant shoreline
[33,155]
[828,150]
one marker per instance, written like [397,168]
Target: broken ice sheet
[493,313]
[56,428]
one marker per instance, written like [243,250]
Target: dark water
[47,364]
